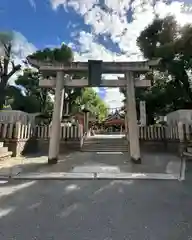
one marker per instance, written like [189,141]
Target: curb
[94,176]
[10,174]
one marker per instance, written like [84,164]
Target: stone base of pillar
[136,161]
[52,161]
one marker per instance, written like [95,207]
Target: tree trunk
[150,119]
[186,85]
[3,85]
[181,79]
[44,101]
[2,98]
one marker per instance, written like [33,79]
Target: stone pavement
[96,210]
[89,165]
[15,165]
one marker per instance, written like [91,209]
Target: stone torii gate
[94,69]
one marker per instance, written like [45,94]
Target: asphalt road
[96,210]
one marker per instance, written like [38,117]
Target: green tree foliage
[6,45]
[161,98]
[42,96]
[18,101]
[71,95]
[166,40]
[171,80]
[34,99]
[95,104]
[63,54]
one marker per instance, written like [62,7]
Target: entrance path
[88,165]
[156,164]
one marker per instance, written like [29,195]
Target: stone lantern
[66,115]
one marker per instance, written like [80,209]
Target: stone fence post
[182,137]
[17,130]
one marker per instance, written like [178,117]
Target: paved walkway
[156,164]
[96,210]
[95,165]
[15,165]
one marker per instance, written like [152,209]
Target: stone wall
[65,146]
[161,146]
[21,146]
[38,146]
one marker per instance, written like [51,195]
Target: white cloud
[89,49]
[113,98]
[21,47]
[33,4]
[119,6]
[112,20]
[80,6]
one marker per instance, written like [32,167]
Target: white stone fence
[146,133]
[24,132]
[152,133]
[159,133]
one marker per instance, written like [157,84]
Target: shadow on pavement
[98,210]
[25,164]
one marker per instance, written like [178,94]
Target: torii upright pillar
[133,133]
[56,120]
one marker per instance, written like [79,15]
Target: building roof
[115,118]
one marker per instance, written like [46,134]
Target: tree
[63,54]
[95,104]
[171,84]
[161,98]
[27,96]
[165,39]
[39,97]
[6,44]
[18,101]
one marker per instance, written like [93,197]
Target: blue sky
[40,24]
[105,29]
